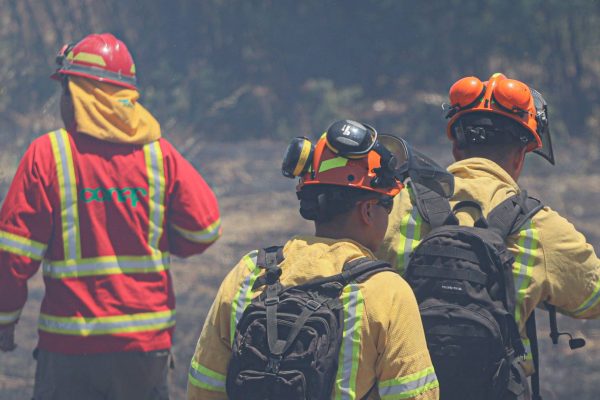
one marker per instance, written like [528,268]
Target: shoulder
[387,291]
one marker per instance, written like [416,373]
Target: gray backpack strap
[433,207]
[508,217]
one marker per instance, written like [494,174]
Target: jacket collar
[477,167]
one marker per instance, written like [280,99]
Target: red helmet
[101,57]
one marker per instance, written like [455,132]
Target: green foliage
[227,70]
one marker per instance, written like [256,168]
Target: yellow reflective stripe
[353,303]
[65,170]
[410,236]
[156,184]
[207,235]
[21,245]
[205,378]
[9,317]
[242,298]
[82,326]
[336,162]
[409,386]
[528,244]
[90,58]
[106,265]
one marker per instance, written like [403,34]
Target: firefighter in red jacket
[101,205]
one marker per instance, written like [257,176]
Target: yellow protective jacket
[553,261]
[391,351]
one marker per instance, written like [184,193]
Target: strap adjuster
[271,301]
[313,305]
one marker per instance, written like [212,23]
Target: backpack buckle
[271,301]
[313,305]
[273,365]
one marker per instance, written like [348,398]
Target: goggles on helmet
[507,97]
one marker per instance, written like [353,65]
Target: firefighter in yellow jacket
[492,126]
[346,189]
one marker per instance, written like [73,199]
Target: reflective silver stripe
[590,302]
[81,326]
[350,348]
[244,294]
[99,72]
[156,180]
[205,378]
[109,265]
[9,317]
[409,386]
[21,245]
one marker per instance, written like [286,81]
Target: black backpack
[463,282]
[288,340]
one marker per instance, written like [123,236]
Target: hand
[7,338]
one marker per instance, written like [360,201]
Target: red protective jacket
[102,219]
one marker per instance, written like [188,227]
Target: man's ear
[457,152]
[365,209]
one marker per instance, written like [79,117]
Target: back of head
[497,118]
[347,164]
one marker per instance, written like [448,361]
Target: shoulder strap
[358,270]
[531,330]
[433,207]
[509,216]
[269,259]
[361,269]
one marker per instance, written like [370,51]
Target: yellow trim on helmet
[304,154]
[90,58]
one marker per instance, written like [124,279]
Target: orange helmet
[101,57]
[504,97]
[348,154]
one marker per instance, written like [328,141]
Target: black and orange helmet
[348,154]
[506,97]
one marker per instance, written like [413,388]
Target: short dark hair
[486,128]
[323,203]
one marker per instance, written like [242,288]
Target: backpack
[287,342]
[463,282]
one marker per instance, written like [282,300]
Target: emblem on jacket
[102,195]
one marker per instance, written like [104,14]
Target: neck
[336,232]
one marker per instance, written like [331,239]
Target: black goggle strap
[456,107]
[63,52]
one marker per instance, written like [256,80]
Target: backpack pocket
[466,347]
[258,385]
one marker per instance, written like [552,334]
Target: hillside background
[232,81]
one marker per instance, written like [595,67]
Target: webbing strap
[472,276]
[433,207]
[509,216]
[531,330]
[447,251]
